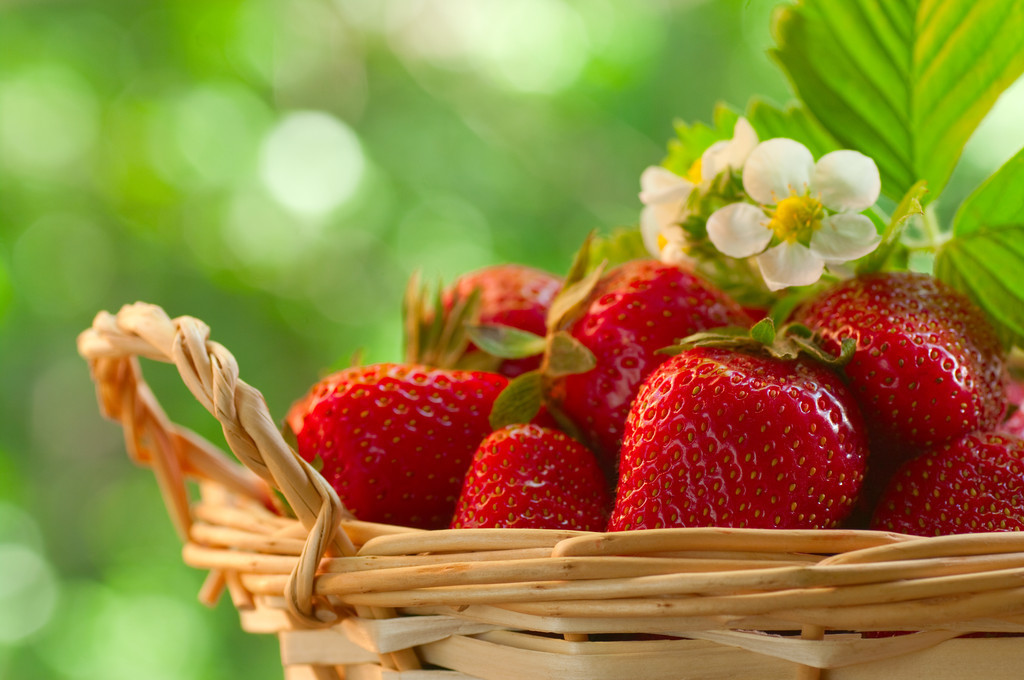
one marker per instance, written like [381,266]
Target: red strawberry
[971,485]
[635,310]
[396,440]
[723,438]
[532,477]
[510,295]
[928,366]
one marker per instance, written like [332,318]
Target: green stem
[932,230]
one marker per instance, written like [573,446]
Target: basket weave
[351,599]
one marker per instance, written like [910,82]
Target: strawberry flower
[665,194]
[808,213]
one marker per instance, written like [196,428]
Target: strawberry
[718,437]
[395,440]
[510,295]
[971,485]
[928,366]
[635,309]
[532,477]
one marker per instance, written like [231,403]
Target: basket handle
[112,347]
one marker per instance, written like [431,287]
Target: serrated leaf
[568,356]
[505,341]
[999,200]
[520,401]
[987,264]
[905,82]
[622,245]
[908,207]
[794,122]
[692,139]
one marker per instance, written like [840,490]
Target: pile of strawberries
[643,397]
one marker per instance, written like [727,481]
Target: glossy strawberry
[395,440]
[532,477]
[510,295]
[636,309]
[971,485]
[928,366]
[722,438]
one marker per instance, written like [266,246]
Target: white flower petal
[846,180]
[661,185]
[845,237]
[789,264]
[776,169]
[714,160]
[650,228]
[674,251]
[739,230]
[728,154]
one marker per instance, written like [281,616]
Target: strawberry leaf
[999,200]
[505,341]
[794,122]
[986,264]
[985,257]
[520,401]
[905,83]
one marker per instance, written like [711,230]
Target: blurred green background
[278,169]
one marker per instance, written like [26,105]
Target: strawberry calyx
[787,343]
[436,335]
[562,354]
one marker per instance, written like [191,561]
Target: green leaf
[505,341]
[572,298]
[794,122]
[520,401]
[568,356]
[692,139]
[764,331]
[986,264]
[1000,200]
[903,81]
[908,207]
[621,245]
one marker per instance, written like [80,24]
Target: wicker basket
[350,599]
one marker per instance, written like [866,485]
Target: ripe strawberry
[928,366]
[532,477]
[971,485]
[510,295]
[636,309]
[718,437]
[395,440]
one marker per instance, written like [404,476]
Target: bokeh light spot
[49,118]
[28,592]
[312,163]
[217,132]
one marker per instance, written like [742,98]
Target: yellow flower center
[693,174]
[796,218]
[662,242]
